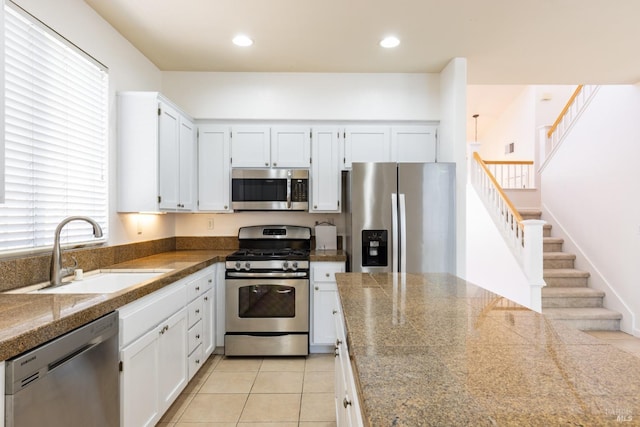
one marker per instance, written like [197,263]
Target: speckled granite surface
[434,350]
[328,256]
[28,320]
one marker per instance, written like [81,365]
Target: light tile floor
[619,339]
[257,392]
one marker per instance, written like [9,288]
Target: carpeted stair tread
[558,255]
[591,313]
[564,272]
[551,292]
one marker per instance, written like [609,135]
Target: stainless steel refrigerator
[401,217]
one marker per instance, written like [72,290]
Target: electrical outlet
[210,224]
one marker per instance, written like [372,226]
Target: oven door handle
[283,291]
[290,275]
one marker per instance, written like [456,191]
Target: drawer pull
[335,311]
[317,288]
[327,274]
[338,342]
[197,288]
[206,298]
[198,336]
[198,311]
[336,352]
[198,362]
[210,280]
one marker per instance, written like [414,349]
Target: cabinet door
[366,144]
[139,381]
[172,358]
[209,322]
[410,144]
[168,153]
[291,146]
[324,297]
[250,147]
[214,156]
[325,170]
[187,165]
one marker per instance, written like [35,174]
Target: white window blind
[56,100]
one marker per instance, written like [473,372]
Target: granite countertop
[435,350]
[28,320]
[328,256]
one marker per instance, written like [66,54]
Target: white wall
[519,120]
[490,262]
[128,70]
[591,191]
[452,144]
[305,96]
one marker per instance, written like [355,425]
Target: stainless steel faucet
[57,270]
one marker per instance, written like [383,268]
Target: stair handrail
[512,227]
[526,179]
[553,137]
[564,111]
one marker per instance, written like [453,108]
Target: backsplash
[29,270]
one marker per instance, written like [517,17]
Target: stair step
[558,260]
[530,213]
[571,297]
[552,244]
[546,230]
[565,277]
[586,319]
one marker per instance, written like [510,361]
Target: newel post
[532,260]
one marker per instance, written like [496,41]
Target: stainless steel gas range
[267,292]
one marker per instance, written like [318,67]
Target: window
[56,100]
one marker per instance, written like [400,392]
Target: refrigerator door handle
[403,235]
[394,232]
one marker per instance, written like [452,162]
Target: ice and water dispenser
[374,248]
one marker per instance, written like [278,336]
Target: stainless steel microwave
[270,189]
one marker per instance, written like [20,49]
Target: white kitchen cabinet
[324,304]
[200,319]
[290,146]
[214,168]
[366,144]
[348,413]
[250,147]
[154,371]
[410,144]
[325,170]
[156,155]
[263,146]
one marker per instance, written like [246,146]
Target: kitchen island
[435,350]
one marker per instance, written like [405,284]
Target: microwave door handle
[289,193]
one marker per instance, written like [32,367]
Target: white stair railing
[514,174]
[566,119]
[524,237]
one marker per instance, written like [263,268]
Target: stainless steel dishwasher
[72,380]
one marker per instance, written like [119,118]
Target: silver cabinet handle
[198,336]
[346,402]
[317,288]
[198,311]
[197,288]
[334,312]
[326,274]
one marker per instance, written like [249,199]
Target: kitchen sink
[104,282]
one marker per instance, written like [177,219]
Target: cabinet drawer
[194,311]
[197,287]
[144,314]
[195,361]
[194,337]
[326,273]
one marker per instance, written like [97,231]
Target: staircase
[567,296]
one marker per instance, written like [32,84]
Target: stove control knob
[247,266]
[295,265]
[238,265]
[285,265]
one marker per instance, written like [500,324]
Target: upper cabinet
[325,170]
[413,144]
[366,144]
[402,144]
[156,155]
[261,146]
[214,168]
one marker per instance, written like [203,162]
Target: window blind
[56,100]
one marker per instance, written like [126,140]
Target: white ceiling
[506,42]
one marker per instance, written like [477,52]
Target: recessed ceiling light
[389,42]
[242,40]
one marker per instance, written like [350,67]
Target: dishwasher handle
[28,367]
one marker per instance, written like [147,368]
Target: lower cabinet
[154,372]
[165,337]
[323,304]
[347,404]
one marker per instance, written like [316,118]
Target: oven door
[267,305]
